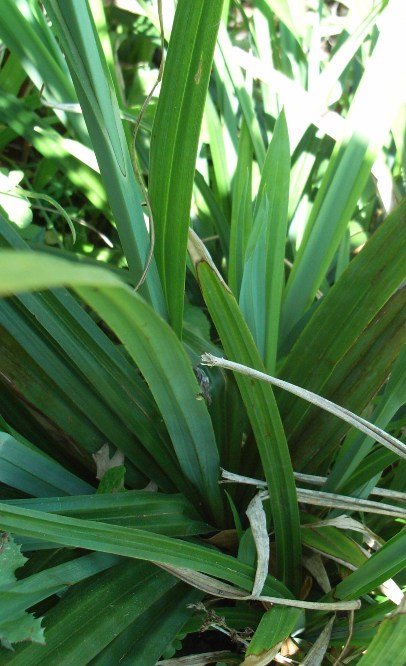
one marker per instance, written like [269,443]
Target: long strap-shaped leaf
[161,513]
[262,411]
[77,34]
[155,349]
[136,543]
[174,141]
[263,277]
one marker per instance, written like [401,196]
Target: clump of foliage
[157,491]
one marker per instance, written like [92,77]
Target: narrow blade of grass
[146,639]
[353,384]
[79,625]
[262,411]
[356,448]
[264,269]
[77,34]
[172,515]
[137,544]
[26,33]
[242,95]
[174,141]
[241,211]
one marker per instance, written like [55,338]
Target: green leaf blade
[175,138]
[264,269]
[262,411]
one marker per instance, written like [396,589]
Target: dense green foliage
[145,497]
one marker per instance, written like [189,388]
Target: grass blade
[241,211]
[56,324]
[135,543]
[361,293]
[147,638]
[264,269]
[242,95]
[24,30]
[172,515]
[174,141]
[79,40]
[261,409]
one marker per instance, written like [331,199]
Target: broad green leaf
[100,21]
[21,273]
[275,626]
[332,542]
[356,448]
[44,375]
[174,141]
[173,384]
[169,375]
[11,559]
[378,348]
[93,380]
[261,409]
[32,589]
[112,481]
[264,269]
[12,76]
